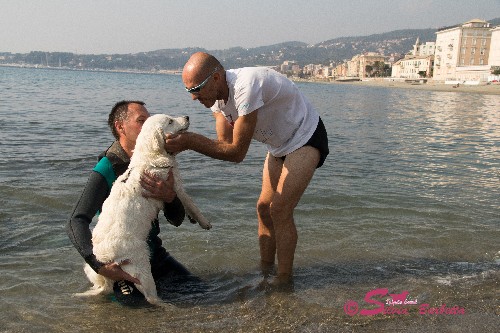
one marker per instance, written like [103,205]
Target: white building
[413,67]
[494,57]
[423,50]
[417,64]
[462,52]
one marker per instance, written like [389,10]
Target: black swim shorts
[318,140]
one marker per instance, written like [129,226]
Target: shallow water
[407,200]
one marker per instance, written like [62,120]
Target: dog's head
[154,130]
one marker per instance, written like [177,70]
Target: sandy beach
[487,89]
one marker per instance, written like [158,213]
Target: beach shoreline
[430,85]
[486,89]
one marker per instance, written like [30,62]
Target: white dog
[125,220]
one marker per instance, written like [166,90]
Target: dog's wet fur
[125,221]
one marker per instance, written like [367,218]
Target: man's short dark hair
[119,112]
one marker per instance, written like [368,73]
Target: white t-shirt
[286,120]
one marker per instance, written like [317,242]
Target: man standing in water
[262,104]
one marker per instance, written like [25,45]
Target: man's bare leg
[296,174]
[267,239]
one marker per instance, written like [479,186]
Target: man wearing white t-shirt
[262,104]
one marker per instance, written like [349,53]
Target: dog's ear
[158,139]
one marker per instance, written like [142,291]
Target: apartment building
[290,67]
[413,67]
[356,67]
[423,50]
[369,59]
[417,64]
[341,70]
[353,66]
[494,56]
[462,52]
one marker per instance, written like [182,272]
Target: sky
[132,26]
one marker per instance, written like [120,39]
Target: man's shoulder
[105,168]
[254,76]
[112,163]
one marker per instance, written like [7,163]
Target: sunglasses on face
[196,89]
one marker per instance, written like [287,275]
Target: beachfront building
[308,69]
[290,68]
[413,67]
[341,70]
[362,65]
[417,63]
[462,53]
[333,73]
[392,58]
[295,69]
[494,57]
[353,67]
[370,63]
[317,71]
[423,50]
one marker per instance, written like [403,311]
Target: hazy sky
[130,26]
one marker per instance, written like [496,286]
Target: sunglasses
[197,88]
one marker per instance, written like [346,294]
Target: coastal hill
[334,51]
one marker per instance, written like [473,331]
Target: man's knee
[280,211]
[263,209]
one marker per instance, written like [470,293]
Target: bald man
[261,104]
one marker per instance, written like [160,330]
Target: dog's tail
[101,285]
[94,291]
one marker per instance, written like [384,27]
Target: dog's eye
[170,121]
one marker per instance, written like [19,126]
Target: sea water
[405,209]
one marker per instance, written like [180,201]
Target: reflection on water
[407,200]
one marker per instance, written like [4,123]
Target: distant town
[466,53]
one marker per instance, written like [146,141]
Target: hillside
[334,50]
[331,51]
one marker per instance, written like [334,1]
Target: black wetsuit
[90,203]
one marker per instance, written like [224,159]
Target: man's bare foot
[282,282]
[267,268]
[277,283]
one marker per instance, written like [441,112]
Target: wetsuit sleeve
[78,228]
[174,212]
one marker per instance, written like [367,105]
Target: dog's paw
[202,222]
[205,224]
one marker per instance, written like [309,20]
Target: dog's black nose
[186,117]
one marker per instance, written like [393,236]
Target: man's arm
[78,228]
[223,128]
[227,148]
[157,188]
